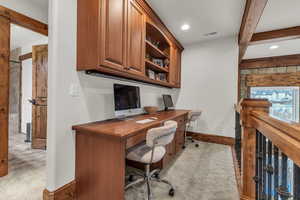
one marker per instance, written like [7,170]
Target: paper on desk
[144,121]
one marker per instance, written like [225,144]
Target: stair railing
[270,154]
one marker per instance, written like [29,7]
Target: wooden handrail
[290,128]
[284,135]
[275,130]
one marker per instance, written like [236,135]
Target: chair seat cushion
[142,153]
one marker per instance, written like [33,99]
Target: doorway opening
[23,106]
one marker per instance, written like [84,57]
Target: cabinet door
[136,39]
[178,68]
[113,34]
[170,153]
[175,67]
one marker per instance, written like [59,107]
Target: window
[285,101]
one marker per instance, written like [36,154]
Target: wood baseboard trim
[237,171]
[66,192]
[246,198]
[212,138]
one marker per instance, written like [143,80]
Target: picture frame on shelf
[151,74]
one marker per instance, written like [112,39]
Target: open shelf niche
[157,54]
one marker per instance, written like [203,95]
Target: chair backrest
[161,136]
[194,115]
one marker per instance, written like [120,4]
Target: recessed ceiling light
[185,27]
[274,47]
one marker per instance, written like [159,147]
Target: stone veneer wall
[245,72]
[15,92]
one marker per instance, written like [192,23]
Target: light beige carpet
[27,171]
[204,173]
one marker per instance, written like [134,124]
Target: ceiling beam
[25,56]
[276,35]
[276,61]
[24,21]
[252,14]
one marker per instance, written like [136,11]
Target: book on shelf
[161,76]
[159,62]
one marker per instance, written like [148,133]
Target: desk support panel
[100,167]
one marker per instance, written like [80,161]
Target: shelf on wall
[155,67]
[165,83]
[154,51]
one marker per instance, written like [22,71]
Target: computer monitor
[127,100]
[168,101]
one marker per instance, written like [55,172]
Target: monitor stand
[169,109]
[124,118]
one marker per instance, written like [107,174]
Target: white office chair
[192,117]
[152,151]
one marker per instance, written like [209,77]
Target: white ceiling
[43,4]
[280,14]
[287,47]
[22,37]
[204,16]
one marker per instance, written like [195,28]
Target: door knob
[32,101]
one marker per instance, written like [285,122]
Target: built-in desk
[101,152]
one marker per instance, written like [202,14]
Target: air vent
[210,34]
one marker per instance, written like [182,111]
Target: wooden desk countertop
[127,128]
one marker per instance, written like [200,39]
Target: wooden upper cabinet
[136,39]
[125,38]
[175,67]
[178,67]
[113,33]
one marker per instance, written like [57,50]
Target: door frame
[12,17]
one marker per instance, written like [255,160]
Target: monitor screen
[126,97]
[168,101]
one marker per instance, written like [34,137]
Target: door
[4,93]
[39,96]
[136,39]
[113,34]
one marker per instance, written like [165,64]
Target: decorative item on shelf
[151,109]
[151,74]
[166,63]
[148,56]
[156,43]
[167,52]
[161,76]
[158,62]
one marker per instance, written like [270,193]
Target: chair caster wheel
[130,179]
[196,145]
[193,141]
[171,192]
[183,147]
[156,175]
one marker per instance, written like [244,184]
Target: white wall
[209,83]
[95,100]
[27,7]
[27,84]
